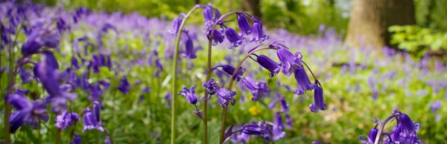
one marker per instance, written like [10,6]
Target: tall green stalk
[174,76]
[225,108]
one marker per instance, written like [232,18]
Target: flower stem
[225,108]
[174,76]
[205,102]
[382,126]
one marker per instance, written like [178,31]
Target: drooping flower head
[218,37]
[233,37]
[371,136]
[243,23]
[259,129]
[258,32]
[229,70]
[318,99]
[38,38]
[26,111]
[176,26]
[76,140]
[268,64]
[124,85]
[225,97]
[211,86]
[189,49]
[189,94]
[257,89]
[278,126]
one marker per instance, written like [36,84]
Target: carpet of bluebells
[101,78]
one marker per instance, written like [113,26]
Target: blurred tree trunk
[370,20]
[253,7]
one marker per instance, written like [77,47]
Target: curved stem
[174,75]
[225,109]
[382,126]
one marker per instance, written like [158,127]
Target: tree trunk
[253,7]
[370,20]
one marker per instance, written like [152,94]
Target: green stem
[382,126]
[174,76]
[57,137]
[225,108]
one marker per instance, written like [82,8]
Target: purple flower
[39,38]
[302,79]
[189,49]
[288,60]
[228,69]
[257,89]
[197,112]
[244,26]
[260,129]
[218,37]
[96,110]
[168,98]
[26,112]
[268,64]
[108,140]
[284,105]
[76,140]
[124,85]
[90,121]
[25,75]
[289,121]
[74,63]
[258,32]
[278,126]
[65,120]
[318,99]
[435,106]
[225,97]
[211,86]
[190,95]
[234,38]
[176,26]
[406,123]
[371,136]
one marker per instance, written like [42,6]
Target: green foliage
[418,40]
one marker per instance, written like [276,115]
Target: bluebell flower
[288,60]
[108,140]
[218,37]
[289,121]
[244,26]
[211,86]
[189,49]
[124,85]
[318,99]
[25,75]
[435,106]
[176,26]
[277,128]
[225,97]
[259,129]
[268,64]
[371,136]
[26,111]
[302,79]
[258,32]
[406,123]
[39,38]
[229,70]
[74,63]
[189,94]
[90,121]
[76,140]
[233,37]
[97,110]
[257,89]
[197,112]
[284,105]
[66,119]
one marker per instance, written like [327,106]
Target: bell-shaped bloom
[108,140]
[257,89]
[284,105]
[97,110]
[189,50]
[26,111]
[406,123]
[124,85]
[229,70]
[76,140]
[278,126]
[244,26]
[189,94]
[90,121]
[371,136]
[49,75]
[175,26]
[259,129]
[225,97]
[289,121]
[66,119]
[258,32]
[302,79]
[287,60]
[39,38]
[268,64]
[218,37]
[318,99]
[74,63]
[211,86]
[208,15]
[233,37]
